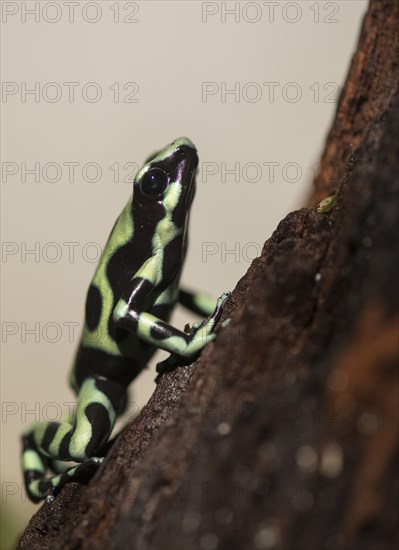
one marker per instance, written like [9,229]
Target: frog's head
[163,192]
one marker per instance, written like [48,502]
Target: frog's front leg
[199,303]
[165,336]
[98,406]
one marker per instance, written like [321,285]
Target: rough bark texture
[284,434]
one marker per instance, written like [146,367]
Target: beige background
[172,49]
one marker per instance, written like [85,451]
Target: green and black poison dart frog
[129,302]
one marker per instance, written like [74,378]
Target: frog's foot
[48,487]
[206,330]
[81,473]
[200,333]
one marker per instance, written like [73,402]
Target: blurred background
[89,90]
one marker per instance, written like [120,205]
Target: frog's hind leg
[39,486]
[47,443]
[34,468]
[49,487]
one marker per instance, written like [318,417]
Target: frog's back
[106,349]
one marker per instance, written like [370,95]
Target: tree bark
[284,434]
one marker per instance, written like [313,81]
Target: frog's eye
[153,183]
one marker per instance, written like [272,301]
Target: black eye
[153,183]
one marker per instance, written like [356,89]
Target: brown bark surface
[284,434]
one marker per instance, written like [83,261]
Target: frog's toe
[81,473]
[224,296]
[50,498]
[97,459]
[220,302]
[226,322]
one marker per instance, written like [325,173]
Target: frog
[127,319]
